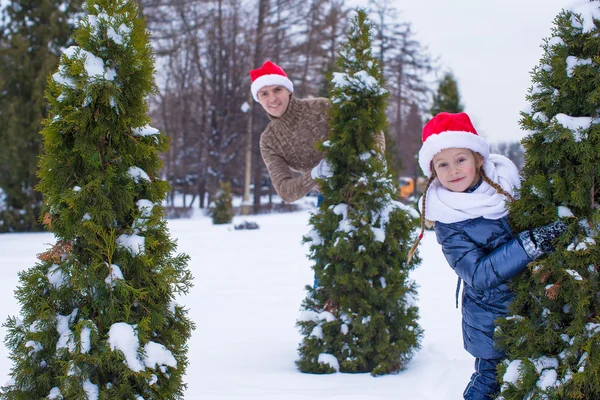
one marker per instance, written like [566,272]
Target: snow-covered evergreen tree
[221,209]
[362,316]
[553,334]
[98,316]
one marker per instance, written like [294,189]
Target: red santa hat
[447,130]
[267,75]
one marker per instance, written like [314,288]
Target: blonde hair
[424,221]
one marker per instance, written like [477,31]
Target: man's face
[274,99]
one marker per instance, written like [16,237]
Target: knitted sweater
[288,144]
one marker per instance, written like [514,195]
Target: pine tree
[447,97]
[98,316]
[553,334]
[221,210]
[31,36]
[362,317]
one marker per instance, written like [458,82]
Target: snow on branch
[360,81]
[123,337]
[145,130]
[576,124]
[574,62]
[588,11]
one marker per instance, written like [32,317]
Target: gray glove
[539,241]
[323,170]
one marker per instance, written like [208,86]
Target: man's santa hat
[267,75]
[447,130]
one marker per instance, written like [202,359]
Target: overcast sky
[491,46]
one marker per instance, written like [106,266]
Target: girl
[466,199]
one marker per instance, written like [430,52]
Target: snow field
[249,285]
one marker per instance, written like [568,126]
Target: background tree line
[204,50]
[205,54]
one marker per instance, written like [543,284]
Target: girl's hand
[539,241]
[545,235]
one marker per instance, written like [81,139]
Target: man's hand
[323,170]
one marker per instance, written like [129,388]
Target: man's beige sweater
[288,144]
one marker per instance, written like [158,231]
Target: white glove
[323,170]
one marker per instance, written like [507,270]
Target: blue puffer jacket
[485,255]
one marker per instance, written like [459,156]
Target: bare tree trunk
[246,207]
[245,210]
[257,175]
[202,193]
[309,41]
[399,119]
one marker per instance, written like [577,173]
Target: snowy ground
[247,295]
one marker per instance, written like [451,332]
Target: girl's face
[274,99]
[457,168]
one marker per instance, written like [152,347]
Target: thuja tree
[221,210]
[98,316]
[362,315]
[32,34]
[553,335]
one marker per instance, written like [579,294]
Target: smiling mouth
[457,180]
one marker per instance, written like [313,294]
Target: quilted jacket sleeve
[479,268]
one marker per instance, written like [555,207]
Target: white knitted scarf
[446,206]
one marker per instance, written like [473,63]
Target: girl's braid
[495,185]
[414,246]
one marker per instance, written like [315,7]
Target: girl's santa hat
[267,75]
[447,130]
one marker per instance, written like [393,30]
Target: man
[288,143]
